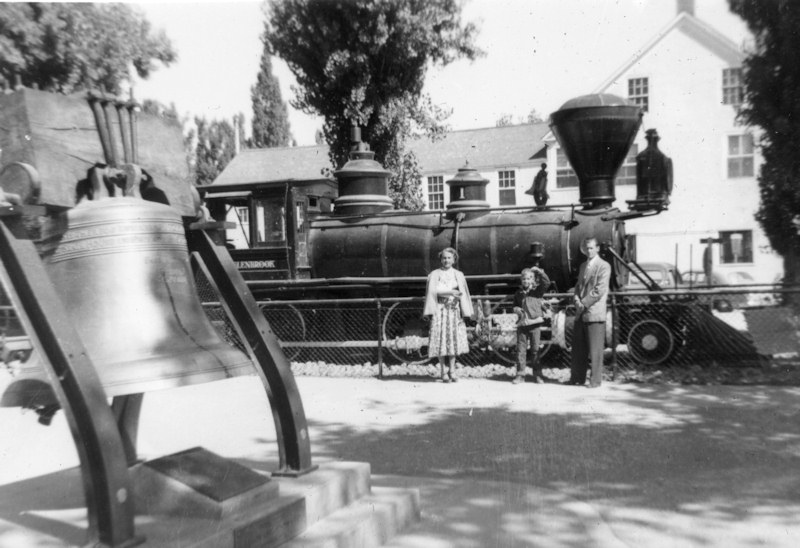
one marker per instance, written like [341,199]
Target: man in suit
[588,338]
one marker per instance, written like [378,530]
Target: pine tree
[270,115]
[215,147]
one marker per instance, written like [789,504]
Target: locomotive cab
[270,238]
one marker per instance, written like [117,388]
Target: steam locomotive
[304,244]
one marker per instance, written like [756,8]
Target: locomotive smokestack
[596,132]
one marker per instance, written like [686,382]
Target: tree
[508,120]
[364,62]
[270,115]
[534,117]
[168,113]
[504,120]
[216,147]
[68,47]
[771,77]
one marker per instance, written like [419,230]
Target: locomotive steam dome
[596,131]
[363,182]
[467,191]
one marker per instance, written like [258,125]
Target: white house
[688,81]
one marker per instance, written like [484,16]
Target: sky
[539,54]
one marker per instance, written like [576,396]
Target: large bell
[121,267]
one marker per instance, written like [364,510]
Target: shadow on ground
[700,467]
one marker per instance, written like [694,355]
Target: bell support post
[72,375]
[273,367]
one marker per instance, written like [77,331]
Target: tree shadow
[686,464]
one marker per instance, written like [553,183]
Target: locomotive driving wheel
[651,341]
[405,333]
[289,326]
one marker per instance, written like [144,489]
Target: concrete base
[333,506]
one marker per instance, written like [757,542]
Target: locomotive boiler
[360,245]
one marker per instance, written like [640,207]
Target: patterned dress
[448,334]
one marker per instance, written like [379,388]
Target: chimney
[686,6]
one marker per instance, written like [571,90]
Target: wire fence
[733,328]
[741,327]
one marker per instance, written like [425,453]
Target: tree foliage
[772,102]
[168,113]
[534,117]
[504,120]
[216,147]
[66,47]
[364,62]
[270,115]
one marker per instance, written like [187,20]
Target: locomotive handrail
[719,290]
[347,280]
[371,300]
[639,272]
[394,212]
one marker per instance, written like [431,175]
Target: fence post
[380,339]
[614,335]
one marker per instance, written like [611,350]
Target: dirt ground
[501,465]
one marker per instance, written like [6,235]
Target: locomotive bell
[596,131]
[121,267]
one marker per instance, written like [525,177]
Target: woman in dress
[447,301]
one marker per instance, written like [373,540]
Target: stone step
[331,487]
[369,522]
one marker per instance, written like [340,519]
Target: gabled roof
[259,165]
[486,148]
[701,32]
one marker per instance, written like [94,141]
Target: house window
[639,92]
[565,176]
[627,173]
[507,184]
[737,247]
[740,155]
[732,86]
[436,192]
[243,214]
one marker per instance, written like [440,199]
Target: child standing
[528,307]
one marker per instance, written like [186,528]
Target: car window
[657,275]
